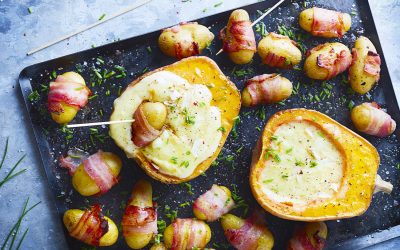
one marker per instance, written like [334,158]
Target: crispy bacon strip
[91,226]
[246,237]
[241,37]
[188,234]
[327,23]
[64,90]
[381,124]
[214,203]
[275,60]
[139,220]
[334,62]
[142,132]
[263,88]
[312,240]
[99,172]
[73,160]
[372,64]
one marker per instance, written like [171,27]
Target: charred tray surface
[140,54]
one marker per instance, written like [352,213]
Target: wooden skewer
[137,4]
[260,18]
[98,123]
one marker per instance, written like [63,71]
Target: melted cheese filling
[192,126]
[302,165]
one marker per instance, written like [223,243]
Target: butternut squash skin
[198,70]
[361,161]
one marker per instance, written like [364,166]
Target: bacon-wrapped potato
[249,234]
[67,95]
[214,203]
[369,118]
[238,37]
[312,236]
[95,174]
[158,246]
[365,68]
[327,61]
[90,226]
[266,88]
[279,51]
[184,40]
[324,23]
[187,234]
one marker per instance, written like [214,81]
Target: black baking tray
[234,160]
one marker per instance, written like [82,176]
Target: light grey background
[21,31]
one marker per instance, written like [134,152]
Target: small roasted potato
[326,61]
[89,232]
[311,236]
[183,229]
[241,233]
[137,233]
[324,23]
[267,88]
[156,114]
[61,111]
[279,51]
[85,185]
[214,203]
[184,40]
[365,68]
[369,118]
[238,37]
[158,246]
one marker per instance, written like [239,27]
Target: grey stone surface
[21,31]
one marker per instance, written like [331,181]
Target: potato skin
[311,68]
[230,221]
[169,234]
[156,114]
[69,111]
[281,46]
[82,182]
[184,35]
[360,81]
[72,216]
[306,19]
[141,197]
[245,55]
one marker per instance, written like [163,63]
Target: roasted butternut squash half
[183,114]
[308,167]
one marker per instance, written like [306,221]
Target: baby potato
[322,27]
[364,71]
[69,111]
[158,246]
[232,222]
[327,61]
[184,40]
[312,235]
[141,197]
[239,50]
[185,232]
[279,51]
[156,114]
[72,216]
[82,182]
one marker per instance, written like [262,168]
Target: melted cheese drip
[191,134]
[303,165]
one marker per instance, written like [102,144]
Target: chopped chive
[218,4]
[149,49]
[268,181]
[102,16]
[92,97]
[30,11]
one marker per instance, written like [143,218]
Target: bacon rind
[188,234]
[241,37]
[327,23]
[335,63]
[214,203]
[99,172]
[381,124]
[263,88]
[63,90]
[91,226]
[139,220]
[142,132]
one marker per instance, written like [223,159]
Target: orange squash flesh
[225,96]
[360,165]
